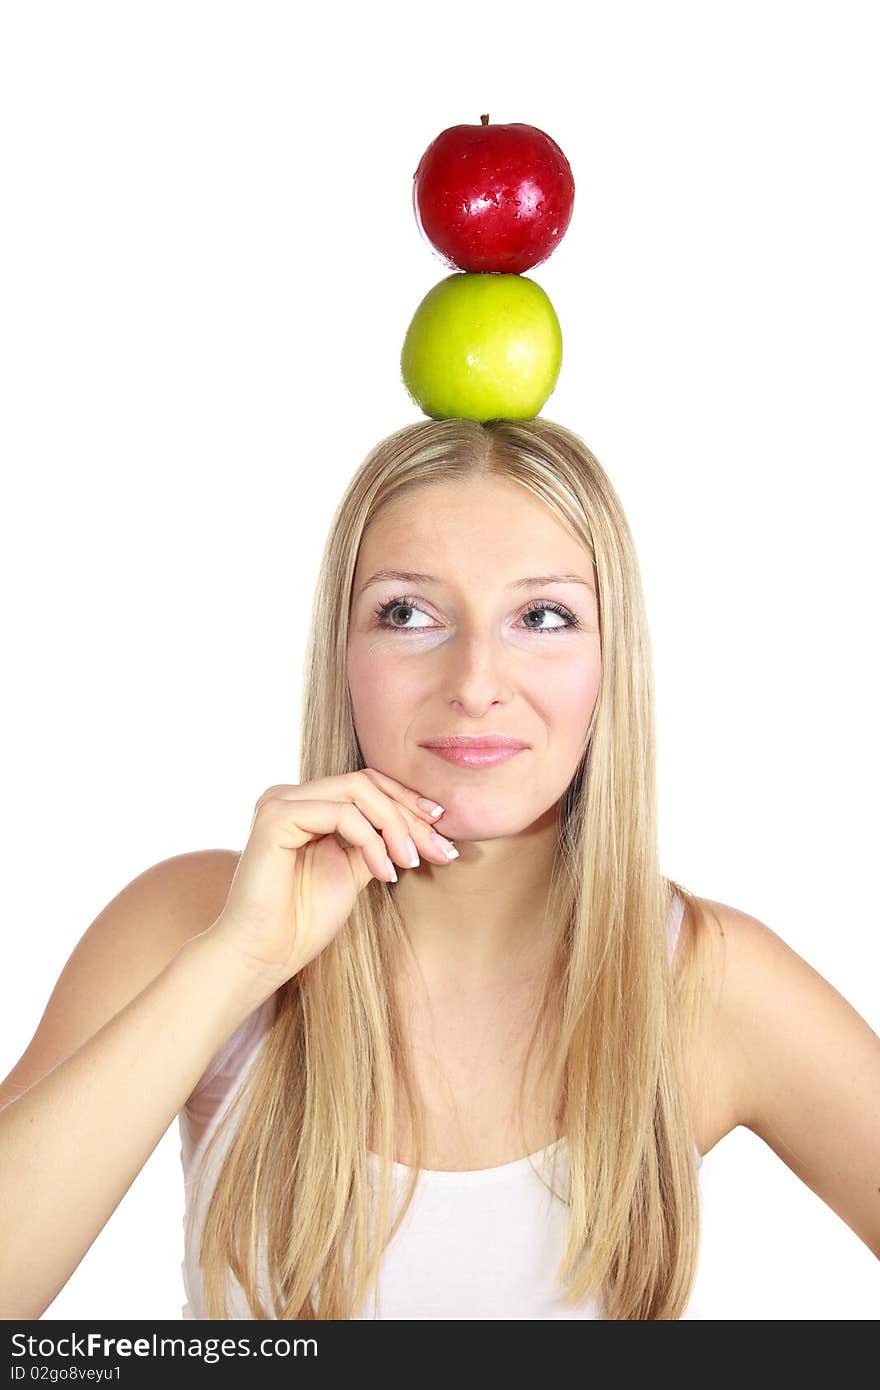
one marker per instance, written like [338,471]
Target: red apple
[493,197]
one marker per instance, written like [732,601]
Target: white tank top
[480,1244]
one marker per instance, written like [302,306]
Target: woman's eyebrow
[414,577]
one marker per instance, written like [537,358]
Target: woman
[474,1086]
[528,979]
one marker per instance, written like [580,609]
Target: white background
[208,262]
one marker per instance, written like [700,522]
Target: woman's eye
[545,627]
[389,608]
[385,612]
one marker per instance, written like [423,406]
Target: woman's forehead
[487,524]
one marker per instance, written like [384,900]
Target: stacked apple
[485,343]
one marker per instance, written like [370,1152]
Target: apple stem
[484,120]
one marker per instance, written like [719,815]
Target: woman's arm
[804,1070]
[73,1144]
[144,1003]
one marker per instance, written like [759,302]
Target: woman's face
[473,650]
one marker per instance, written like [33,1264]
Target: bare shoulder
[200,878]
[180,897]
[129,943]
[701,956]
[795,1063]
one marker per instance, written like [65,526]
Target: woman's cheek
[377,682]
[571,691]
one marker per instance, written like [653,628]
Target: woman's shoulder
[800,1066]
[753,998]
[211,871]
[710,947]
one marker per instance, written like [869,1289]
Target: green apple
[482,347]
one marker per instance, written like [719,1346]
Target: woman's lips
[475,756]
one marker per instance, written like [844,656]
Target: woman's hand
[295,884]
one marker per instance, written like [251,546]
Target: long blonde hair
[296,1175]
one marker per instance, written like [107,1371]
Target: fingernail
[392,871]
[430,806]
[413,853]
[447,846]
